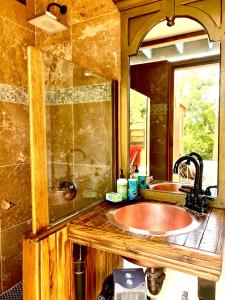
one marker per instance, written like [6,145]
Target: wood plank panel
[44,269]
[194,269]
[39,185]
[48,268]
[171,252]
[31,270]
[60,239]
[211,235]
[53,284]
[99,264]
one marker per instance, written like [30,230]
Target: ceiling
[182,26]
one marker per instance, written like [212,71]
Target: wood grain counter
[198,252]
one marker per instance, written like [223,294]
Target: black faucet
[196,198]
[200,161]
[189,159]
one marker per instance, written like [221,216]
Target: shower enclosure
[79,122]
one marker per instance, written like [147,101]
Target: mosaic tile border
[13,94]
[81,94]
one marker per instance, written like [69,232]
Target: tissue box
[113,197]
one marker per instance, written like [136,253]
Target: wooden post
[206,289]
[38,157]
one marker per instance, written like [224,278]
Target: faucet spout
[188,158]
[200,167]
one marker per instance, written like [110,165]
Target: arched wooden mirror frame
[137,19]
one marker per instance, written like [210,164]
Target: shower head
[49,22]
[88,73]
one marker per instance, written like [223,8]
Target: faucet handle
[207,190]
[186,189]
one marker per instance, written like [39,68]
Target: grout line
[86,165]
[73,122]
[23,222]
[93,18]
[14,165]
[17,24]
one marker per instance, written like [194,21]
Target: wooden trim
[169,145]
[115,140]
[38,156]
[146,44]
[53,228]
[136,20]
[31,270]
[198,252]
[47,268]
[179,65]
[127,4]
[44,269]
[174,66]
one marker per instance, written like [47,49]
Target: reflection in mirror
[174,102]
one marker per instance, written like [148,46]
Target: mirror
[174,102]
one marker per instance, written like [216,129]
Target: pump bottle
[121,186]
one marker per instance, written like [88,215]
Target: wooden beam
[178,37]
[39,185]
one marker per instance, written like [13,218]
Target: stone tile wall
[79,137]
[93,42]
[15,192]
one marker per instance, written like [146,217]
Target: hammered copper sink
[166,187]
[153,219]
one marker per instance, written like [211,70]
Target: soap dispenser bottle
[121,186]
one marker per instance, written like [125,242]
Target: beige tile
[59,44]
[17,12]
[14,40]
[58,206]
[14,133]
[12,254]
[83,76]
[93,133]
[16,187]
[60,133]
[86,9]
[57,173]
[93,182]
[96,45]
[58,73]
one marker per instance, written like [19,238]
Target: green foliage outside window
[199,95]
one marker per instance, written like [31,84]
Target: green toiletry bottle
[121,186]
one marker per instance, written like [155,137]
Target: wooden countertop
[198,252]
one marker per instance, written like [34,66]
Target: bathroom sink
[166,187]
[153,219]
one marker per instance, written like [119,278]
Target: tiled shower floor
[15,293]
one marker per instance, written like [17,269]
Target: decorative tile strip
[13,94]
[81,94]
[60,96]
